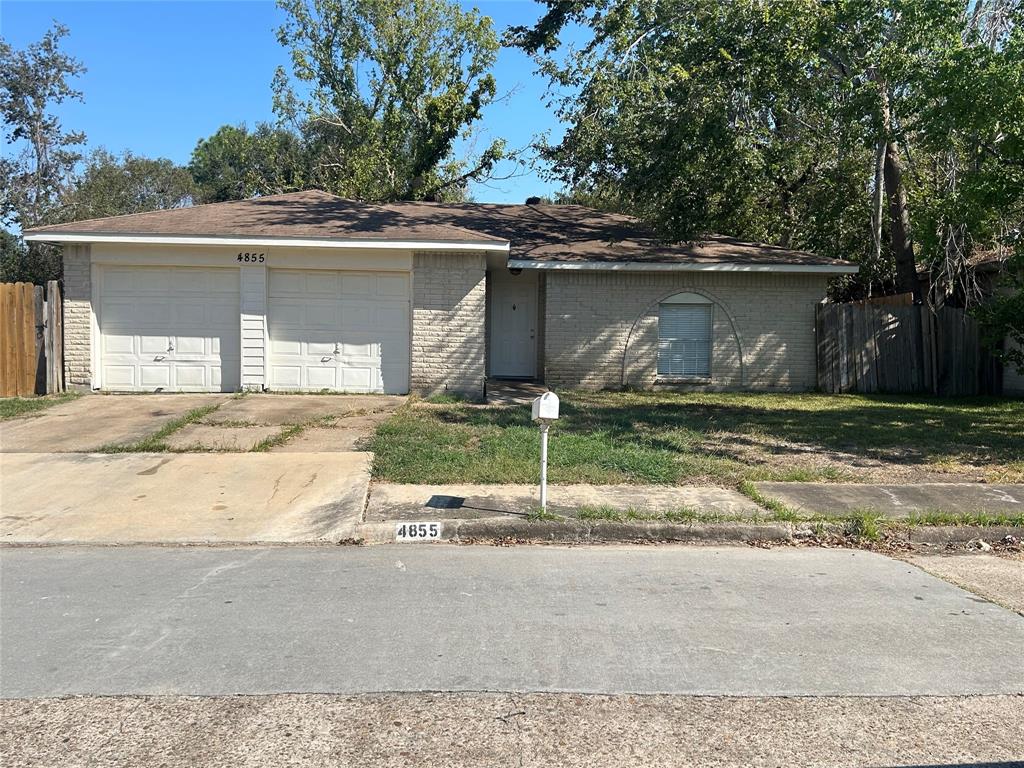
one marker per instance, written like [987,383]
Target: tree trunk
[899,224]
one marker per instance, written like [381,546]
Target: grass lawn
[683,438]
[12,407]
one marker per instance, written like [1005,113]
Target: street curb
[584,532]
[500,529]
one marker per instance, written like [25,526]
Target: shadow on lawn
[896,429]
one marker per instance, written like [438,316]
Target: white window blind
[684,340]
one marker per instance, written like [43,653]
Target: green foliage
[14,260]
[42,156]
[766,121]
[236,164]
[1002,316]
[113,186]
[381,90]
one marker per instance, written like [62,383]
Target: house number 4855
[252,258]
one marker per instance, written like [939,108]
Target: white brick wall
[77,317]
[448,322]
[602,330]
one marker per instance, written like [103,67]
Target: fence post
[39,318]
[54,338]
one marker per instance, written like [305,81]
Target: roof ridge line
[183,208]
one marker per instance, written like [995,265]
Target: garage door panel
[190,375]
[362,379]
[285,346]
[394,286]
[154,345]
[334,333]
[120,375]
[119,344]
[195,345]
[358,286]
[322,315]
[154,375]
[169,328]
[321,378]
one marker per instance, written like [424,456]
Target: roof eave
[501,246]
[681,266]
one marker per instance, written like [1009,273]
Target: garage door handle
[326,359]
[158,358]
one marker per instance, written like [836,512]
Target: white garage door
[341,331]
[169,328]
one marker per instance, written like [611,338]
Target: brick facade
[77,316]
[448,321]
[601,329]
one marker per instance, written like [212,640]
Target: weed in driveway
[156,443]
[282,437]
[290,431]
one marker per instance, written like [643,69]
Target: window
[684,337]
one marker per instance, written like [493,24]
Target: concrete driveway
[172,473]
[291,423]
[171,498]
[89,423]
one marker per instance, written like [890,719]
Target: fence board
[5,335]
[895,347]
[39,325]
[30,340]
[55,336]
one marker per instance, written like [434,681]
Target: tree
[14,261]
[37,175]
[112,186]
[381,91]
[795,122]
[236,164]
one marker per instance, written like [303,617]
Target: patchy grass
[156,442]
[864,524]
[680,515]
[449,398]
[13,407]
[777,508]
[282,437]
[699,438]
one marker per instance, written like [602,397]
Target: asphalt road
[732,621]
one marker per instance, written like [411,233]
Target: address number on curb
[417,531]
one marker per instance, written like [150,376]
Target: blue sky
[163,74]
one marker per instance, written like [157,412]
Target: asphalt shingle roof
[544,233]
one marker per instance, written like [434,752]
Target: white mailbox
[545,407]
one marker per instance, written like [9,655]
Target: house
[308,291]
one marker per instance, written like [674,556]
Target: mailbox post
[545,411]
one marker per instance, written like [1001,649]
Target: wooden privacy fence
[867,347]
[31,340]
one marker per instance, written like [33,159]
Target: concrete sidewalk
[175,498]
[472,502]
[897,501]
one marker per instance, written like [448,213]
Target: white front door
[173,329]
[339,331]
[513,325]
